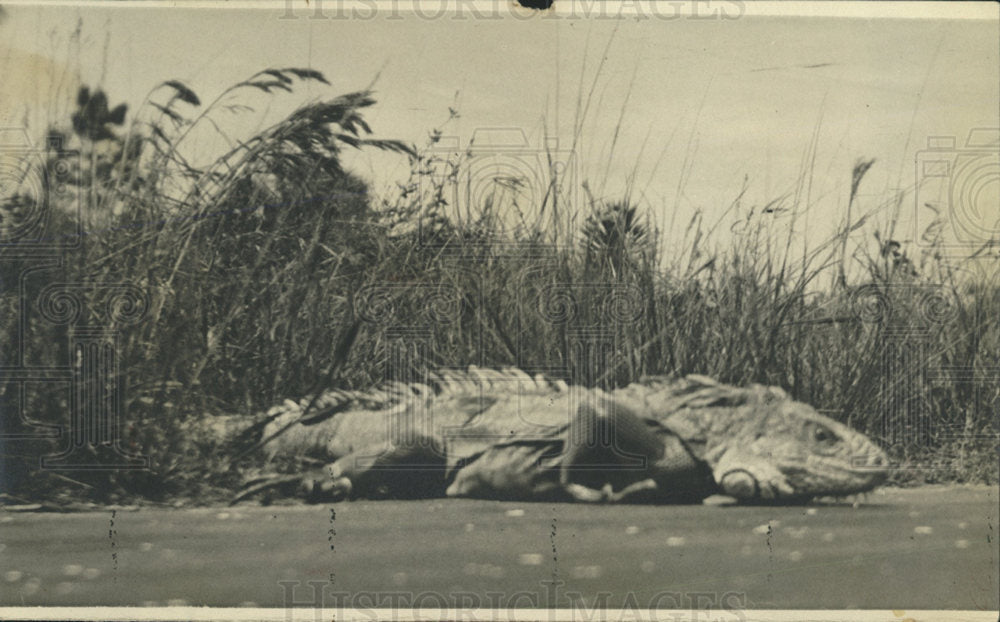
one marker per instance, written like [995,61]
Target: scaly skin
[504,435]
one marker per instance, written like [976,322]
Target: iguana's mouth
[743,485]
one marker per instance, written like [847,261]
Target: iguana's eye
[823,435]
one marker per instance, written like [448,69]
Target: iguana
[502,434]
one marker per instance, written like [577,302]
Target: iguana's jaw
[786,468]
[763,483]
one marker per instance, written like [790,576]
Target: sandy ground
[933,547]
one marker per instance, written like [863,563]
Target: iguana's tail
[252,438]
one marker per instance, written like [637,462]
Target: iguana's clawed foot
[587,494]
[635,488]
[315,487]
[331,485]
[607,494]
[320,489]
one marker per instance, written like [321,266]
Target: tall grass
[272,273]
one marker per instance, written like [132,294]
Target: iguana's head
[762,446]
[787,451]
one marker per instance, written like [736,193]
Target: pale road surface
[928,548]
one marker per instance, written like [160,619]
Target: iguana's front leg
[608,455]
